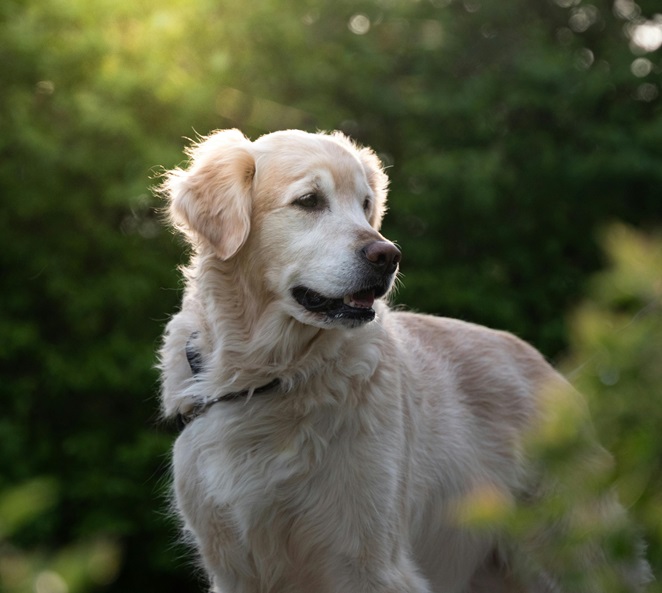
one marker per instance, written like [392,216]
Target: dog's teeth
[349,301]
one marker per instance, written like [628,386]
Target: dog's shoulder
[492,370]
[468,341]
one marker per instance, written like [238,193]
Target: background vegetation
[516,133]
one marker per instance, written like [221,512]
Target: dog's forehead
[311,164]
[343,176]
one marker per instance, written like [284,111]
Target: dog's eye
[311,201]
[366,204]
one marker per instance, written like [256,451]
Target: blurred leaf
[24,503]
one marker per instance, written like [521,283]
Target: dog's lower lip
[357,305]
[314,301]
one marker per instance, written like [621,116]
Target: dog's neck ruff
[194,358]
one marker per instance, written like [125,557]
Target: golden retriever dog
[331,444]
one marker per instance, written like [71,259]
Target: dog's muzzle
[381,259]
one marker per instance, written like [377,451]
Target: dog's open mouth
[355,306]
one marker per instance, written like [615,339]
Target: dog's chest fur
[274,473]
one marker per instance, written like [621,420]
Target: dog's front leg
[399,576]
[341,575]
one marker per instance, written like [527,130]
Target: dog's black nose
[383,255]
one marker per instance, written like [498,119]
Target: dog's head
[301,210]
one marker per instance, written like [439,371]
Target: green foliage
[514,131]
[71,569]
[617,349]
[19,505]
[615,353]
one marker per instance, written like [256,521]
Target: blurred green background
[524,144]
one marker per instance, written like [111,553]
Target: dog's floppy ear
[211,200]
[378,181]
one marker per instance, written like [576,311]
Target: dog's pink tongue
[363,299]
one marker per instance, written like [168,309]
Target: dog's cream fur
[351,477]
